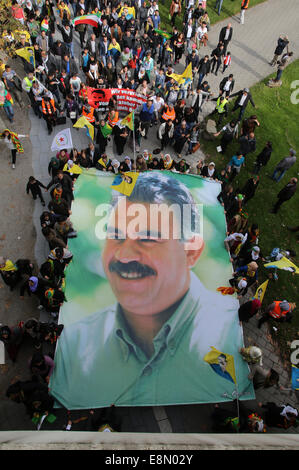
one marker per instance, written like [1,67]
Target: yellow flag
[128,121]
[27,53]
[82,122]
[75,169]
[125,182]
[260,291]
[186,75]
[221,363]
[283,263]
[188,72]
[127,11]
[18,33]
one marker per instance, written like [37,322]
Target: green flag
[163,33]
[106,130]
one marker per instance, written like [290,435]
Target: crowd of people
[129,50]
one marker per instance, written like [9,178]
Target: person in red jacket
[244,6]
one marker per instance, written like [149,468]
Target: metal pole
[134,150]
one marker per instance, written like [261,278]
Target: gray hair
[158,188]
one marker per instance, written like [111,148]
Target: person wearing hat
[284,165]
[182,166]
[209,171]
[243,96]
[233,244]
[115,164]
[72,169]
[252,355]
[126,165]
[279,310]
[9,272]
[282,43]
[252,254]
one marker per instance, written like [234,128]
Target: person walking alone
[284,165]
[11,139]
[285,194]
[244,7]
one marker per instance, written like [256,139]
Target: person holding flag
[12,141]
[103,132]
[83,122]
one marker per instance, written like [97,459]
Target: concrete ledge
[73,440]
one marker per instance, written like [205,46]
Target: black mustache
[132,267]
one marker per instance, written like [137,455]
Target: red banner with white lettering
[127,100]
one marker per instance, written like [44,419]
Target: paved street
[252,48]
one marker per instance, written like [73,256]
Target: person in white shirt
[201,35]
[75,84]
[158,103]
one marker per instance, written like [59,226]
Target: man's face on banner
[148,271]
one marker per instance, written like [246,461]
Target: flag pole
[134,149]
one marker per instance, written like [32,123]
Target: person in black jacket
[229,132]
[47,219]
[34,285]
[227,85]
[67,35]
[209,171]
[217,57]
[243,96]
[282,42]
[34,186]
[285,194]
[33,395]
[263,157]
[126,165]
[249,188]
[225,36]
[226,197]
[247,144]
[67,186]
[204,67]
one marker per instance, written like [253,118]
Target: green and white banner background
[96,364]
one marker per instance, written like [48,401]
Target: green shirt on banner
[99,364]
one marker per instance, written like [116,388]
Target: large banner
[127,100]
[144,324]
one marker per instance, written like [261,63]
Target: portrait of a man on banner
[148,346]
